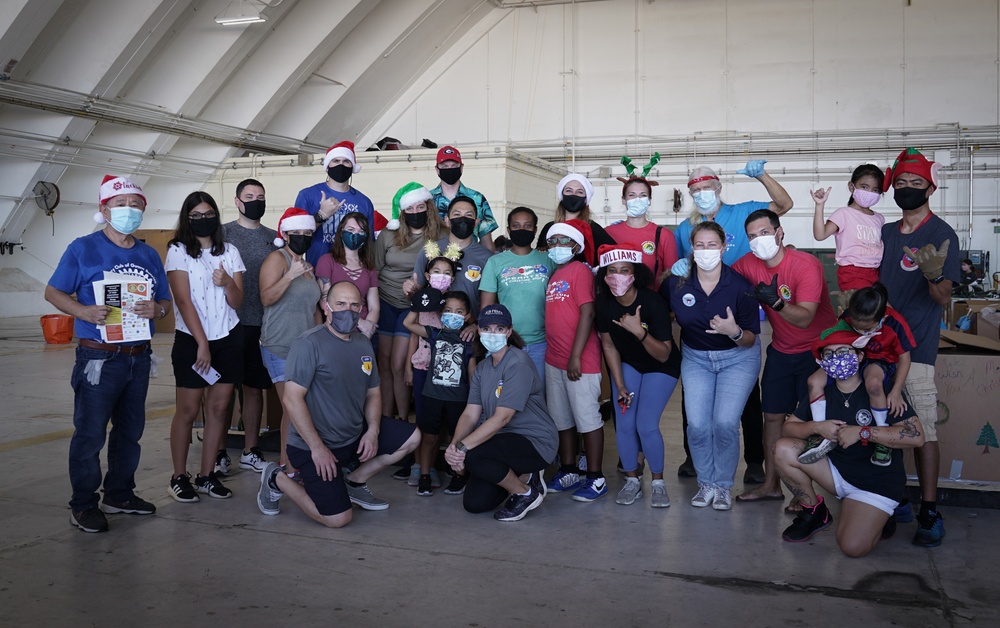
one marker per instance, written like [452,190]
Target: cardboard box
[988,323]
[968,385]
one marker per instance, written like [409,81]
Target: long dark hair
[186,238]
[643,279]
[868,304]
[365,254]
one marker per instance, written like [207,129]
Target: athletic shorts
[435,412]
[573,404]
[227,358]
[846,490]
[254,373]
[785,380]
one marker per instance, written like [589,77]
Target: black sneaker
[223,464]
[889,529]
[402,473]
[811,520]
[882,456]
[537,482]
[181,489]
[686,470]
[457,485]
[89,520]
[212,486]
[424,486]
[518,505]
[133,506]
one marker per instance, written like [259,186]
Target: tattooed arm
[906,434]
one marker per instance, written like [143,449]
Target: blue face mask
[125,220]
[636,207]
[451,320]
[561,254]
[492,342]
[354,241]
[706,200]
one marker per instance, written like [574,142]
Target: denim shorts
[390,320]
[275,366]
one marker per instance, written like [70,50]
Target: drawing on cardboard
[987,438]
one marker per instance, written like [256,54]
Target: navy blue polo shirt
[694,309]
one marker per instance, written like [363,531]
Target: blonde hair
[432,230]
[584,214]
[703,171]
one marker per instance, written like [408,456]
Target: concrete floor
[427,562]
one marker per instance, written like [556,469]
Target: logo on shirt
[649,247]
[499,388]
[558,291]
[473,273]
[366,364]
[730,241]
[524,274]
[688,299]
[907,263]
[863,417]
[785,292]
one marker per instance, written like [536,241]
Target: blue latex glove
[753,169]
[681,267]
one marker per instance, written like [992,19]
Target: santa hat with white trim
[625,252]
[113,186]
[292,220]
[343,149]
[407,196]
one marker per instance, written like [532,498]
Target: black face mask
[462,227]
[522,237]
[909,199]
[574,204]
[299,243]
[450,175]
[340,173]
[417,220]
[253,209]
[204,227]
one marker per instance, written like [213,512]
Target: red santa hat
[113,186]
[579,231]
[293,219]
[626,252]
[912,161]
[380,222]
[343,149]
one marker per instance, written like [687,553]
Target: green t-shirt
[519,282]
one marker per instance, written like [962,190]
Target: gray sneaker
[267,497]
[723,499]
[630,492]
[363,496]
[704,497]
[658,497]
[816,449]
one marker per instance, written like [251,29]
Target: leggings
[640,424]
[488,464]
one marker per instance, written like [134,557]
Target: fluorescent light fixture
[253,16]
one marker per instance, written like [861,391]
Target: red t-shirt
[570,288]
[658,256]
[892,340]
[800,280]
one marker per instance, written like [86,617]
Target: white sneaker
[658,494]
[723,499]
[630,492]
[253,461]
[705,496]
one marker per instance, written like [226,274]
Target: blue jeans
[119,396]
[640,424]
[716,387]
[536,352]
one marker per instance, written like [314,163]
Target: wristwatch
[937,281]
[460,446]
[780,305]
[865,434]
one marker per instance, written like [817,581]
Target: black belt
[113,348]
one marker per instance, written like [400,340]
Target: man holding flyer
[110,378]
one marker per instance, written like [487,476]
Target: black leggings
[488,464]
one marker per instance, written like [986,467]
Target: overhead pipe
[972,150]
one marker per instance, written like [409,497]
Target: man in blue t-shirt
[110,380]
[705,188]
[333,199]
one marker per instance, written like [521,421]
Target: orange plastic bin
[57,329]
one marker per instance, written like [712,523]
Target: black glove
[767,294]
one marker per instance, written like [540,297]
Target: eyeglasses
[841,352]
[560,241]
[200,216]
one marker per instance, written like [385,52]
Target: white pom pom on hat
[293,219]
[344,150]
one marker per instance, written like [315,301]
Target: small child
[856,229]
[446,386]
[887,341]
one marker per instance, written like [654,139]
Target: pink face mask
[864,198]
[440,282]
[619,284]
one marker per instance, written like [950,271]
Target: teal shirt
[487,224]
[519,282]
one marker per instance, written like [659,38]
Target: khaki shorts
[922,392]
[573,404]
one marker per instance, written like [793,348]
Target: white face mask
[765,247]
[635,207]
[708,259]
[706,201]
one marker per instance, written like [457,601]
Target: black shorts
[331,497]
[255,375]
[227,358]
[888,372]
[785,380]
[433,413]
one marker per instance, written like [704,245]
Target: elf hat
[407,196]
[912,161]
[113,186]
[839,334]
[626,252]
[293,219]
[343,149]
[588,187]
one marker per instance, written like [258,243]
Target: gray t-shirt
[254,245]
[292,314]
[394,266]
[515,384]
[470,270]
[338,374]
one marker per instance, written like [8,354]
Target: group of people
[501,354]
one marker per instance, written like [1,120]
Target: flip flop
[794,507]
[755,496]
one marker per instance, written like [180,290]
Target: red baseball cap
[449,153]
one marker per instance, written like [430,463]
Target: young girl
[206,278]
[351,258]
[856,229]
[887,342]
[446,390]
